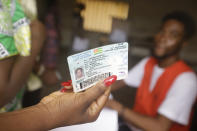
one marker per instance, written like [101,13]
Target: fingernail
[63,90]
[110,80]
[70,81]
[65,84]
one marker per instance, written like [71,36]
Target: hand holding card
[88,67]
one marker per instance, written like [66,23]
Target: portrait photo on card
[79,73]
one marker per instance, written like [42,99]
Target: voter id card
[89,67]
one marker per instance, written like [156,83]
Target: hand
[115,105]
[74,108]
[38,36]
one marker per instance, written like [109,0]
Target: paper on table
[107,121]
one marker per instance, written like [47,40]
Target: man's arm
[158,123]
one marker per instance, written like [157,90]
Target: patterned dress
[14,38]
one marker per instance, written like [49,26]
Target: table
[107,121]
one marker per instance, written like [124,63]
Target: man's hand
[158,123]
[115,105]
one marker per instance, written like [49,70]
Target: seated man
[167,87]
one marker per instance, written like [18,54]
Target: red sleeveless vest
[147,102]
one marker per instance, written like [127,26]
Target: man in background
[167,87]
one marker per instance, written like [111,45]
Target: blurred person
[18,52]
[80,42]
[167,87]
[33,87]
[49,54]
[60,109]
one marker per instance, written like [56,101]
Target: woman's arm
[59,109]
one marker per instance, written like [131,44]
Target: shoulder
[145,59]
[135,74]
[140,65]
[185,83]
[142,62]
[180,98]
[186,78]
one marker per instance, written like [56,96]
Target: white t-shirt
[179,99]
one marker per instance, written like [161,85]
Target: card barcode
[94,79]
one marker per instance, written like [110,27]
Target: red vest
[147,102]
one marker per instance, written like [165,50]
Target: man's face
[79,74]
[169,40]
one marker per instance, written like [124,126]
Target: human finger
[67,85]
[95,108]
[98,90]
